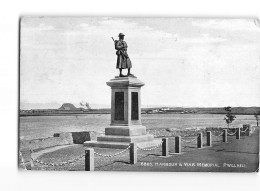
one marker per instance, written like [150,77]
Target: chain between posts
[112,155]
[231,134]
[58,164]
[218,135]
[151,148]
[244,130]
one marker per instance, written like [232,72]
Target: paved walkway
[234,156]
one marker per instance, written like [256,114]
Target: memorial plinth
[126,126]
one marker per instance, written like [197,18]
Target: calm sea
[45,126]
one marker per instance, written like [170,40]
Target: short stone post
[133,153]
[248,130]
[224,135]
[209,140]
[178,144]
[89,159]
[238,133]
[165,148]
[200,140]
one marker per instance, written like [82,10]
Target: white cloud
[45,27]
[83,26]
[203,39]
[73,60]
[112,27]
[226,24]
[41,27]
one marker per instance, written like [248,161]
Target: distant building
[165,109]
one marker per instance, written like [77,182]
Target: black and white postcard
[139,94]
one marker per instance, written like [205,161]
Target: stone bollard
[89,159]
[238,133]
[200,140]
[165,148]
[224,135]
[248,130]
[209,140]
[178,144]
[133,153]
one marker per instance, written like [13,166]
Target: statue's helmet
[121,34]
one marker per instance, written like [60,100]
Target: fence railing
[178,142]
[133,149]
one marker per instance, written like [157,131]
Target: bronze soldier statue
[123,60]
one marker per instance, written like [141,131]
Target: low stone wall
[80,137]
[171,132]
[58,139]
[189,132]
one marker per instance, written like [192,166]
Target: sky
[183,62]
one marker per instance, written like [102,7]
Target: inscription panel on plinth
[119,105]
[135,109]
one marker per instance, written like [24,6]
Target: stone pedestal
[126,126]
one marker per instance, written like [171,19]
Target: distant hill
[68,106]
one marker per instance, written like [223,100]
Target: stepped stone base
[134,130]
[127,139]
[119,137]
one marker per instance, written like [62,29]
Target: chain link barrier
[151,148]
[231,134]
[58,164]
[112,155]
[244,130]
[219,135]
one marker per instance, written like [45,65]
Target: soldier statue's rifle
[113,39]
